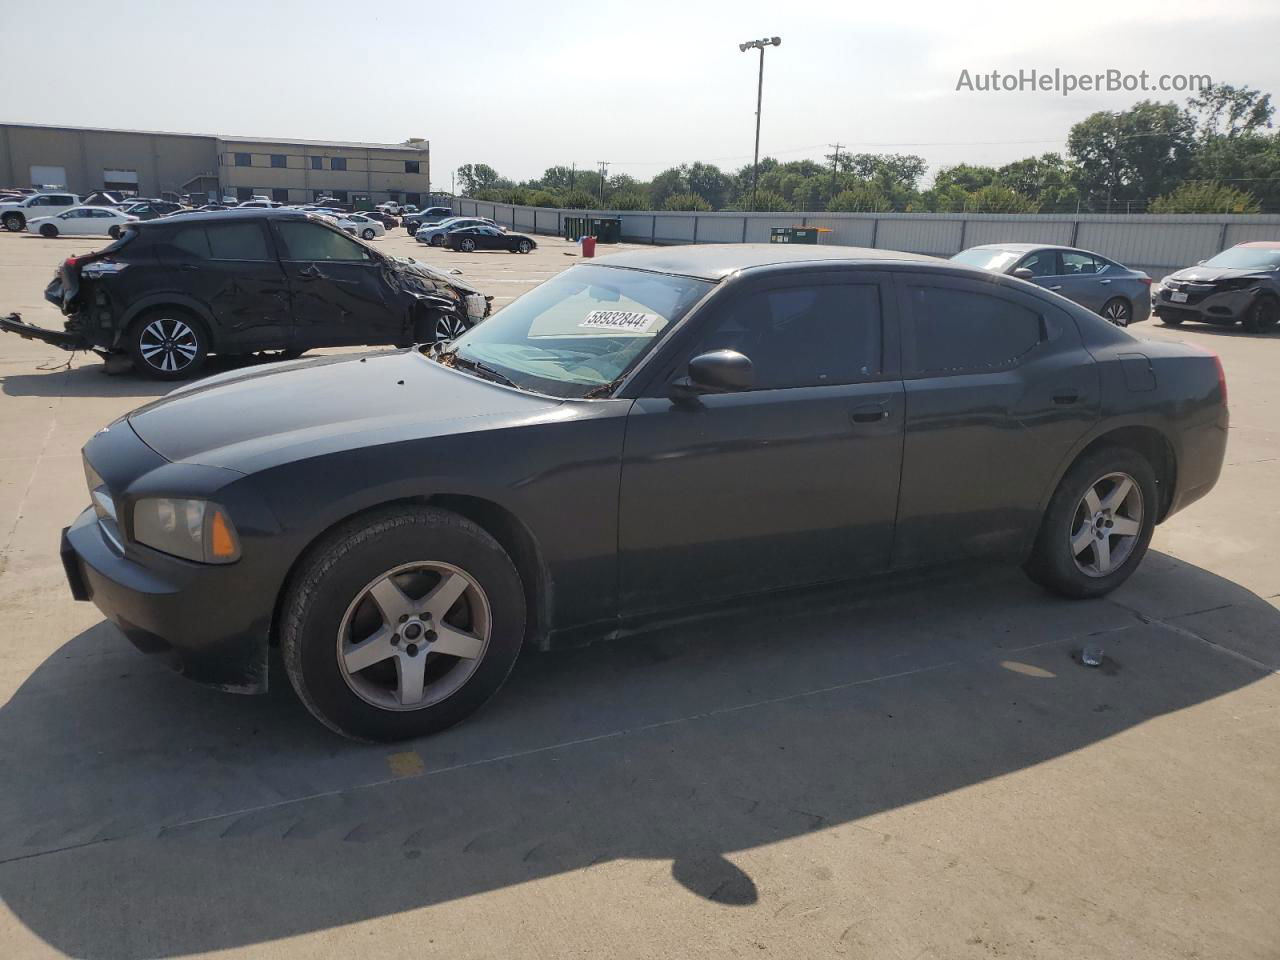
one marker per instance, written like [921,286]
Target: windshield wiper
[454,359]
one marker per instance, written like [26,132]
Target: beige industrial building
[85,159]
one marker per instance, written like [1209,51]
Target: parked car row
[170,291]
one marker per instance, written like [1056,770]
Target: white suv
[15,215]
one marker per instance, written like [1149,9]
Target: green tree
[1205,196]
[476,176]
[543,198]
[578,200]
[1048,179]
[949,198]
[861,198]
[995,198]
[707,181]
[629,200]
[965,176]
[1134,154]
[1221,110]
[686,201]
[666,184]
[766,201]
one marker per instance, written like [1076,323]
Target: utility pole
[573,173]
[835,159]
[604,172]
[755,164]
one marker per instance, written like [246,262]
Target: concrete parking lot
[916,770]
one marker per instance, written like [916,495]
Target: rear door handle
[1104,281]
[869,414]
[1058,287]
[1066,398]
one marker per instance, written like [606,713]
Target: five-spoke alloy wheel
[1107,524]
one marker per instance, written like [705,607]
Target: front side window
[237,241]
[244,160]
[803,336]
[580,331]
[310,241]
[952,331]
[986,258]
[1042,263]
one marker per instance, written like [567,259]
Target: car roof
[717,261]
[237,213]
[1027,247]
[1264,244]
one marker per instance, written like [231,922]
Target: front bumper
[193,617]
[1227,306]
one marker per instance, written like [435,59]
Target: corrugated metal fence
[1157,243]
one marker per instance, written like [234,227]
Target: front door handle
[1104,282]
[869,414]
[1058,287]
[1066,398]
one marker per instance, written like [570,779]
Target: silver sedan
[1107,288]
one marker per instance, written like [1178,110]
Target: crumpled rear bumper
[14,323]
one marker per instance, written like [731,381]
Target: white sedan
[82,221]
[357,224]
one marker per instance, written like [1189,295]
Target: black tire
[524,246]
[48,230]
[113,233]
[178,331]
[331,579]
[14,222]
[1117,310]
[467,246]
[1052,563]
[1170,319]
[437,240]
[1262,316]
[368,233]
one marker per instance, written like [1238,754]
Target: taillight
[1147,281]
[1222,378]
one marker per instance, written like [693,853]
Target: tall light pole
[744,47]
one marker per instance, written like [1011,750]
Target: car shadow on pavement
[144,816]
[91,380]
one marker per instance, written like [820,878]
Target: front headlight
[192,529]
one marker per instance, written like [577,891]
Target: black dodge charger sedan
[635,437]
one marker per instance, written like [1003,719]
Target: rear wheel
[1098,524]
[401,623]
[437,240]
[1118,310]
[467,246]
[368,233]
[113,232]
[14,222]
[48,230]
[168,344]
[1262,316]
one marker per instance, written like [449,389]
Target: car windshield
[1246,258]
[986,258]
[579,331]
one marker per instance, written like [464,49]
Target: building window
[394,195]
[244,160]
[317,163]
[337,163]
[411,166]
[340,195]
[413,198]
[277,160]
[244,193]
[280,193]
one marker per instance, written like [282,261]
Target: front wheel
[524,246]
[1262,316]
[437,241]
[1170,319]
[400,623]
[1118,310]
[368,233]
[48,230]
[113,233]
[168,344]
[1097,526]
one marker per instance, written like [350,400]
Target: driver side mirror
[717,371]
[1023,273]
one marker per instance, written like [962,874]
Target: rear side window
[237,241]
[953,331]
[310,241]
[804,336]
[1076,264]
[190,242]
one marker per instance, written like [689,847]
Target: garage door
[42,176]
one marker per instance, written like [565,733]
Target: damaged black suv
[169,292]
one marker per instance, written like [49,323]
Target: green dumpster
[793,234]
[607,229]
[575,227]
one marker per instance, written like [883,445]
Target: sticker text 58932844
[621,321]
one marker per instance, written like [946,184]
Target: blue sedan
[1109,289]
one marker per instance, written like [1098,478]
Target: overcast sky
[644,85]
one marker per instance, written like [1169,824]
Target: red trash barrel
[588,246]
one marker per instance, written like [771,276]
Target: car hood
[249,420]
[1203,274]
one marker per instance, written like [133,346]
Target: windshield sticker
[625,320]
